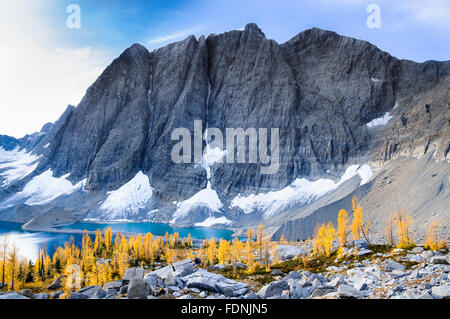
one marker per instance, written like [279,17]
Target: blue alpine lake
[157,229]
[30,242]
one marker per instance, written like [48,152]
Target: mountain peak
[252,28]
[135,50]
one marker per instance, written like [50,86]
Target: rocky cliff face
[319,88]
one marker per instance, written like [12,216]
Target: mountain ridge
[321,89]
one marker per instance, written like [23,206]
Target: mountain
[346,111]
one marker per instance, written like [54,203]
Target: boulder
[56,284]
[393,265]
[397,273]
[427,254]
[293,275]
[89,291]
[363,252]
[439,260]
[123,290]
[27,293]
[289,252]
[441,291]
[216,267]
[138,289]
[275,288]
[100,294]
[173,289]
[336,281]
[414,258]
[417,250]
[42,296]
[132,273]
[114,285]
[322,291]
[347,291]
[424,295]
[181,268]
[12,295]
[360,244]
[151,281]
[231,288]
[170,280]
[111,294]
[57,294]
[76,295]
[206,281]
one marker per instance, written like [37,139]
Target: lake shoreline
[57,229]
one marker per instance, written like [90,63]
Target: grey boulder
[132,273]
[347,291]
[206,281]
[393,265]
[13,295]
[275,288]
[138,289]
[441,291]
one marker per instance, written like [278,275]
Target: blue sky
[49,65]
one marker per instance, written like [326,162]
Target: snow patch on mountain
[205,198]
[380,121]
[210,221]
[43,189]
[16,164]
[128,200]
[301,191]
[365,172]
[375,80]
[210,157]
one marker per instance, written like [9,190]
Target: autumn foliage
[434,240]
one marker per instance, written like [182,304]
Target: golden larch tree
[433,241]
[343,227]
[403,223]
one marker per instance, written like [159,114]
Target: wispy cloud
[160,40]
[434,13]
[40,76]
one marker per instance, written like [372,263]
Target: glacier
[43,189]
[210,221]
[380,121]
[301,191]
[16,164]
[128,200]
[207,197]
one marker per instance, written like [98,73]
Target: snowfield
[205,198]
[43,189]
[301,191]
[213,221]
[128,200]
[16,164]
[380,121]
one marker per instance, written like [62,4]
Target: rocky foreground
[399,274]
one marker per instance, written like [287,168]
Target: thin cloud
[174,36]
[434,13]
[40,77]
